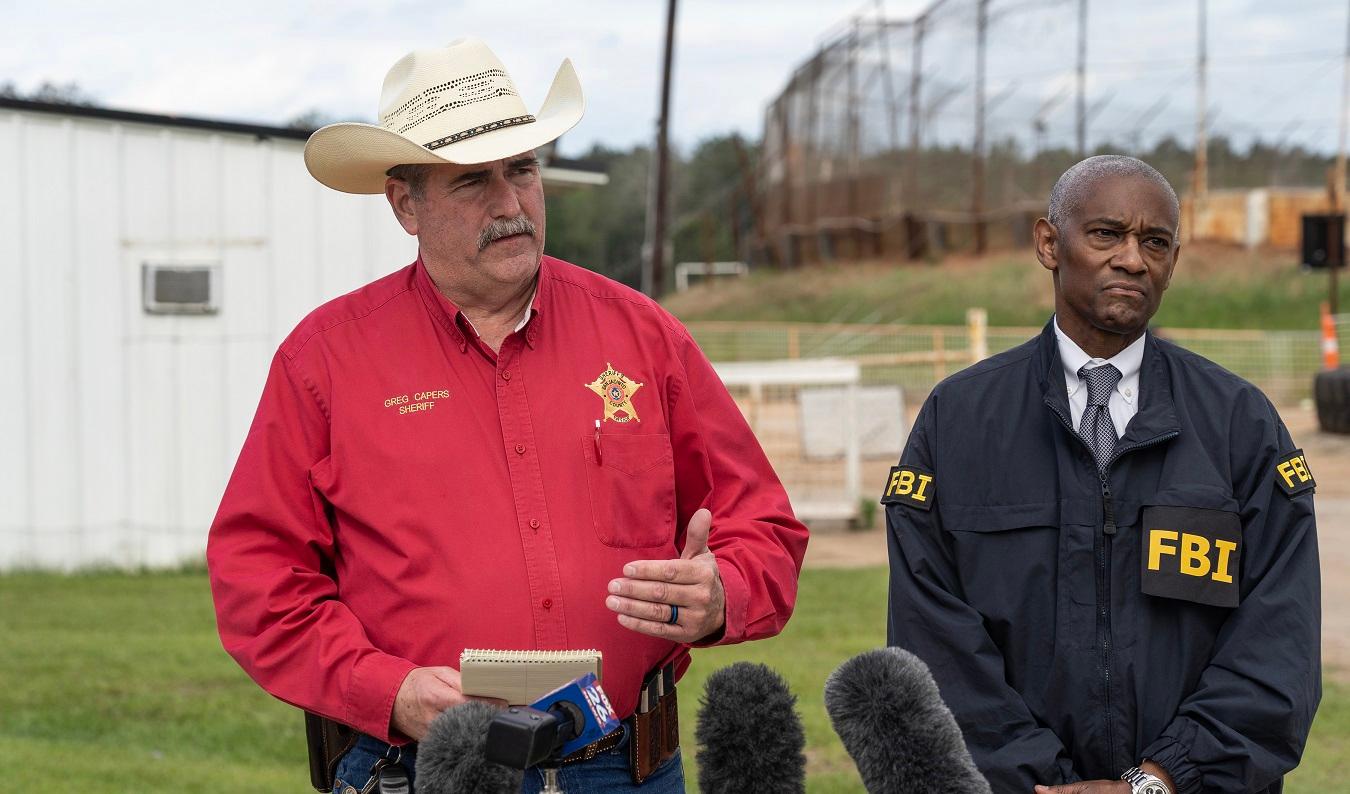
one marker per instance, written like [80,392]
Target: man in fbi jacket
[1104,544]
[489,448]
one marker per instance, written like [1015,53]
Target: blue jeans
[607,772]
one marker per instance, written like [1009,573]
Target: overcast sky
[268,62]
[271,61]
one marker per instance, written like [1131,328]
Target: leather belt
[607,742]
[656,706]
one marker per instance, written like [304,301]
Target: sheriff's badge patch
[617,391]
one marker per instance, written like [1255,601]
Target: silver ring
[674,615]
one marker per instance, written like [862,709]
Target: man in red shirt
[489,448]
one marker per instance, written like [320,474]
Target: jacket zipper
[1103,577]
[1104,580]
[1108,507]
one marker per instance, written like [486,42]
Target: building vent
[180,289]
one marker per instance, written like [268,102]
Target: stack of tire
[1331,390]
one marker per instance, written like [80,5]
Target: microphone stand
[551,785]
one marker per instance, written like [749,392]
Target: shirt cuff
[1172,750]
[735,596]
[375,682]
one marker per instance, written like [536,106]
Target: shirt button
[548,603]
[534,523]
[520,449]
[506,374]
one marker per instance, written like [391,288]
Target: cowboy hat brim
[354,157]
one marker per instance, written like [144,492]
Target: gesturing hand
[648,590]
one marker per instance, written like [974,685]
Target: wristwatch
[1142,782]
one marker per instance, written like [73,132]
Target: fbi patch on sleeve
[1292,474]
[910,485]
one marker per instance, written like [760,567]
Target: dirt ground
[1329,458]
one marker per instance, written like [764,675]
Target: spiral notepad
[522,677]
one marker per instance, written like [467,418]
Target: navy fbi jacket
[1079,623]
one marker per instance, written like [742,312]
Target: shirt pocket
[1185,545]
[1013,558]
[631,480]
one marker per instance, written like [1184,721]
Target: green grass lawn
[1214,286]
[117,683]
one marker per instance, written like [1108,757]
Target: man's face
[1113,259]
[465,210]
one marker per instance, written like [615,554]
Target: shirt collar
[452,317]
[1128,361]
[524,320]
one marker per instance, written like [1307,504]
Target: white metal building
[151,265]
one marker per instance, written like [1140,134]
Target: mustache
[505,227]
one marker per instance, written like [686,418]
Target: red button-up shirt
[405,493]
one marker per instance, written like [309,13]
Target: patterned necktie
[1096,427]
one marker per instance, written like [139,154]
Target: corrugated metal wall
[118,429]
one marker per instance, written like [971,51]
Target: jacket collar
[1157,415]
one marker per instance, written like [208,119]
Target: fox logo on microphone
[597,701]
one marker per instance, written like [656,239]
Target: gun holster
[328,741]
[656,725]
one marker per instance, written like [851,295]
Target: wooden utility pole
[788,191]
[653,275]
[1082,79]
[1200,180]
[977,153]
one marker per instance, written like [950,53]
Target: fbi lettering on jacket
[1191,554]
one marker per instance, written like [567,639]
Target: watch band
[1142,782]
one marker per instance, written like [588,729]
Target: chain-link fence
[947,130]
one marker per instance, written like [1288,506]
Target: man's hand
[648,589]
[1087,787]
[424,694]
[1109,786]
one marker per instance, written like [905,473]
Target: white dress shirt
[1124,402]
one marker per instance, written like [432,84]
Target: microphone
[452,758]
[885,706]
[749,736]
[558,724]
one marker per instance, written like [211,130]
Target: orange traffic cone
[1331,351]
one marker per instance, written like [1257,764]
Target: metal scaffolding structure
[945,131]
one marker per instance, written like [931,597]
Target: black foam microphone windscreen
[885,706]
[451,758]
[749,736]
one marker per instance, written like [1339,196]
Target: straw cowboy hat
[456,104]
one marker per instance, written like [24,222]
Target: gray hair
[1073,184]
[415,174]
